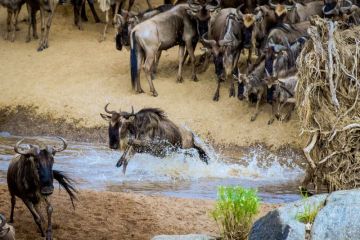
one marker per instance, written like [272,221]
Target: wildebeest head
[41,161]
[282,8]
[201,9]
[117,131]
[124,23]
[331,7]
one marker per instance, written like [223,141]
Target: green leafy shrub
[235,210]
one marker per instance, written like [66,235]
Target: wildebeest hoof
[40,49]
[120,163]
[241,97]
[195,79]
[270,121]
[35,36]
[232,93]
[216,97]
[155,94]
[140,91]
[253,118]
[180,80]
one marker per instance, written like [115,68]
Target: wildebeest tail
[67,183]
[133,60]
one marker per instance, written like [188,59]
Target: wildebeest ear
[105,117]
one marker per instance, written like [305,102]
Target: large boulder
[340,218]
[184,237]
[281,223]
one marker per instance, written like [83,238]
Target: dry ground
[106,215]
[77,76]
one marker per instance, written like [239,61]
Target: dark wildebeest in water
[147,131]
[30,177]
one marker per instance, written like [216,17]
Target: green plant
[235,210]
[309,214]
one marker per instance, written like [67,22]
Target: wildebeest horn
[272,5]
[290,7]
[3,221]
[348,5]
[63,147]
[106,109]
[18,150]
[212,8]
[238,11]
[210,42]
[132,110]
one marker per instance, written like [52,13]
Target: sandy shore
[77,76]
[106,215]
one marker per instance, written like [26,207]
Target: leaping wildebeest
[147,131]
[13,10]
[30,177]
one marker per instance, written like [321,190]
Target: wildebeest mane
[157,111]
[67,183]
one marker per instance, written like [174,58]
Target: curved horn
[3,221]
[19,151]
[272,5]
[64,146]
[193,6]
[238,11]
[348,5]
[290,7]
[107,111]
[210,42]
[132,110]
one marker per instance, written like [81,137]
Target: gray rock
[281,224]
[184,237]
[5,134]
[340,218]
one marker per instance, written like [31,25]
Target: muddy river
[180,174]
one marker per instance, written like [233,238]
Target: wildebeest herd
[275,31]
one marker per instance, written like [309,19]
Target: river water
[179,174]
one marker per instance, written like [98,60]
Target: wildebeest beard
[202,27]
[114,135]
[122,38]
[269,61]
[247,37]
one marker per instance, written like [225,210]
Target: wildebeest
[80,12]
[161,32]
[126,21]
[7,232]
[149,131]
[45,6]
[30,177]
[229,33]
[13,10]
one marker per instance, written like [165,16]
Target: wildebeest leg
[82,8]
[248,61]
[42,37]
[28,38]
[157,60]
[148,66]
[8,24]
[83,11]
[273,112]
[16,15]
[102,38]
[258,100]
[33,22]
[149,4]
[49,211]
[124,159]
[93,11]
[117,7]
[181,60]
[13,202]
[217,92]
[48,25]
[140,59]
[35,215]
[131,3]
[190,49]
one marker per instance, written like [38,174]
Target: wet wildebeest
[45,6]
[30,177]
[161,32]
[13,10]
[229,33]
[7,232]
[80,12]
[126,21]
[148,131]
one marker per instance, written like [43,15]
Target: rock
[184,237]
[340,218]
[281,223]
[5,134]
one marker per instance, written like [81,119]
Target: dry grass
[328,104]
